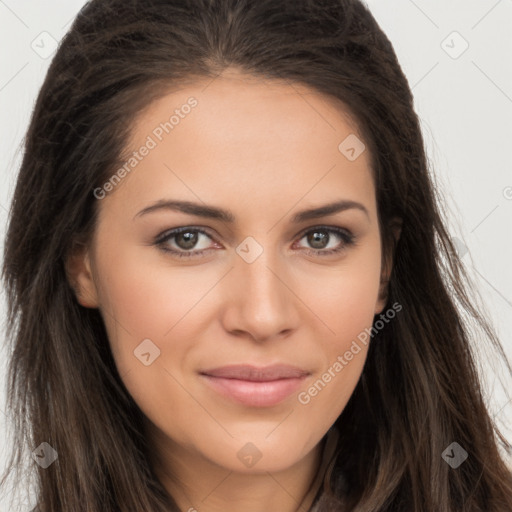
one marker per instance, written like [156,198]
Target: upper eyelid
[169,233]
[325,227]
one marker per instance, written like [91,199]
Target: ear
[80,276]
[388,258]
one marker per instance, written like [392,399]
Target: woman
[229,281]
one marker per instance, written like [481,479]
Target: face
[185,290]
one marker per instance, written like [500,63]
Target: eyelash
[347,237]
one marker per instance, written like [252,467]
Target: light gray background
[464,101]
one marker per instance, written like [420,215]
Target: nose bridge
[263,303]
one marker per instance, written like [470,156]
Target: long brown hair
[420,389]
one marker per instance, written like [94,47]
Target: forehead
[250,136]
[240,108]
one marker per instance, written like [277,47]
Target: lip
[255,386]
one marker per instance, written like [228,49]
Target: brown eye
[319,239]
[183,242]
[186,240]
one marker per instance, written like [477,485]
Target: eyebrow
[213,212]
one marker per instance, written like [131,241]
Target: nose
[263,301]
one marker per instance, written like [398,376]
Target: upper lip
[255,373]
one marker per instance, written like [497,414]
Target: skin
[265,151]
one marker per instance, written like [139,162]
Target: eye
[185,239]
[320,237]
[180,242]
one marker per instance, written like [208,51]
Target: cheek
[143,301]
[346,298]
[349,313]
[135,301]
[347,306]
[145,296]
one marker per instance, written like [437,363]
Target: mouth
[255,386]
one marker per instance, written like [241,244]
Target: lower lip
[255,394]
